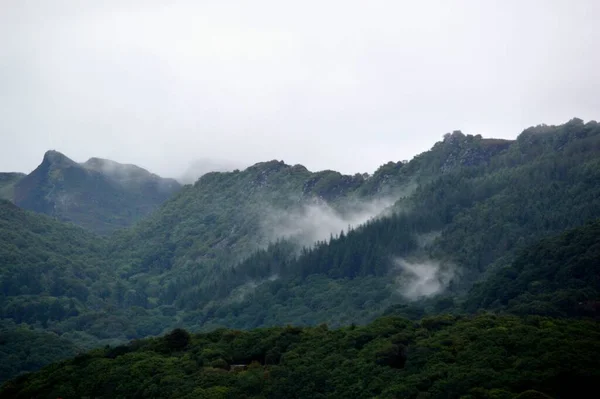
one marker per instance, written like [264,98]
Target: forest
[213,294]
[483,356]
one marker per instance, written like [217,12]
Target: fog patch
[241,292]
[130,176]
[424,278]
[318,221]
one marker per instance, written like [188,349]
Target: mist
[129,175]
[339,85]
[203,166]
[317,220]
[241,292]
[423,279]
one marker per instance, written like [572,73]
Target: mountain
[225,216]
[264,246]
[463,208]
[7,184]
[99,195]
[485,356]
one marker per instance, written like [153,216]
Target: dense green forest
[485,356]
[473,224]
[23,349]
[559,276]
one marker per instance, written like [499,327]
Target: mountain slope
[59,291]
[98,195]
[48,269]
[559,276]
[447,234]
[224,217]
[238,249]
[23,349]
[7,185]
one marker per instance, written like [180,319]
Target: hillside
[7,185]
[99,195]
[265,246]
[23,349]
[208,228]
[559,276]
[443,357]
[449,230]
[48,269]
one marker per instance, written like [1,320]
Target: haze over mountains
[472,224]
[203,166]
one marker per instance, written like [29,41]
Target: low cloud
[202,166]
[241,292]
[317,220]
[423,279]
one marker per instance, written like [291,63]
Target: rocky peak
[468,150]
[57,159]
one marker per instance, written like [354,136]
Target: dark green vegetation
[560,276]
[440,357]
[23,349]
[7,184]
[48,268]
[99,195]
[470,210]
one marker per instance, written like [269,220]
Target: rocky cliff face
[469,150]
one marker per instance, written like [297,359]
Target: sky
[343,85]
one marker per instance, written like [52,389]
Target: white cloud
[423,279]
[317,220]
[339,85]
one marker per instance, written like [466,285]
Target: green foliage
[177,339]
[7,185]
[24,349]
[480,357]
[46,266]
[559,276]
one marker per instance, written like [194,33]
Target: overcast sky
[344,85]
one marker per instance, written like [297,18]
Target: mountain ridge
[99,195]
[276,244]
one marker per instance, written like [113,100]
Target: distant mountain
[99,195]
[7,184]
